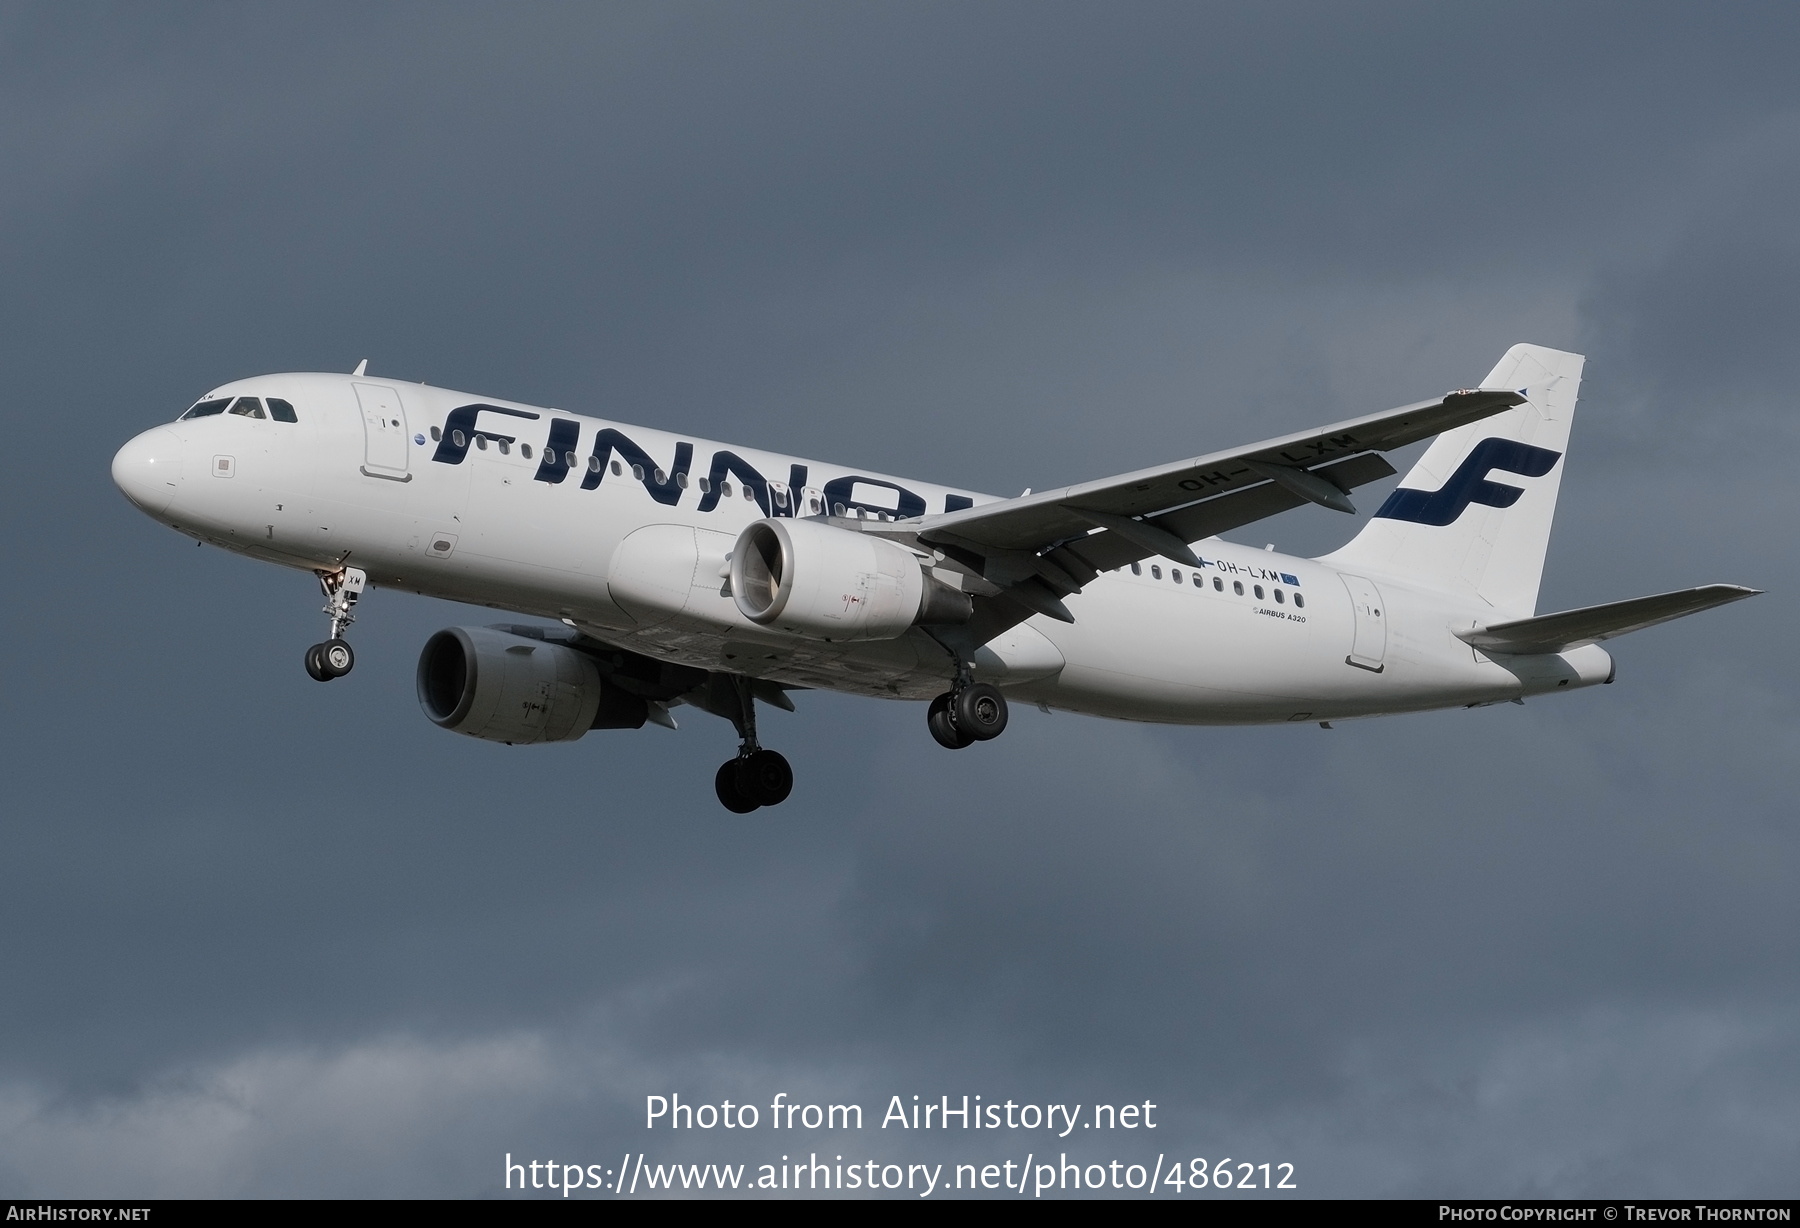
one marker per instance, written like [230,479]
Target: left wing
[1022,556]
[1591,624]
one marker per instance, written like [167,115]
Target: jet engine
[810,579]
[503,687]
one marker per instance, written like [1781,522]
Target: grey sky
[267,937]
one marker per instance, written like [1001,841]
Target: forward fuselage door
[1368,642]
[385,450]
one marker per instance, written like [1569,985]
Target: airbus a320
[673,571]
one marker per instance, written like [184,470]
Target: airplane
[677,571]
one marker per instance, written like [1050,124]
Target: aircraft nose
[148,469]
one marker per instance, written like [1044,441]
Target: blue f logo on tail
[1469,484]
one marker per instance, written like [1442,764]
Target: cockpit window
[281,411]
[248,407]
[206,408]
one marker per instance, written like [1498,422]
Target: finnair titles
[675,571]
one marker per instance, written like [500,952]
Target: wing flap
[1589,625]
[1110,549]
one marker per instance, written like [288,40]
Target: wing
[1591,624]
[1022,556]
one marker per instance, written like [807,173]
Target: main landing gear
[971,712]
[757,777]
[334,658]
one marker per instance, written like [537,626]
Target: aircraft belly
[1148,651]
[911,667]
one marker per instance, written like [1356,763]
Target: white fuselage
[370,475]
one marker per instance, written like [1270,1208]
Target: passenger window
[1259,596]
[281,411]
[481,442]
[1237,586]
[1175,574]
[505,448]
[1136,570]
[637,473]
[617,469]
[1155,572]
[705,485]
[570,459]
[1218,585]
[1299,601]
[207,408]
[750,494]
[725,489]
[437,435]
[594,465]
[1279,599]
[681,480]
[459,439]
[525,450]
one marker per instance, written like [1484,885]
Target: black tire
[979,711]
[943,729]
[765,777]
[725,784]
[315,666]
[337,658]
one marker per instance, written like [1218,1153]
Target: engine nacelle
[510,688]
[810,579]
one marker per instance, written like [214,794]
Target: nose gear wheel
[334,658]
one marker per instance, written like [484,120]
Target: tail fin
[1452,526]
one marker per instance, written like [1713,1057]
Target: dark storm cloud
[269,937]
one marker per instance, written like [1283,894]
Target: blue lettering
[730,464]
[667,491]
[838,491]
[462,420]
[564,434]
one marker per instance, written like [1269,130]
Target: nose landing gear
[334,658]
[972,712]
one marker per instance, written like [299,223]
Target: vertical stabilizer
[1473,517]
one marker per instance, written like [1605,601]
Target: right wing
[1024,555]
[1591,624]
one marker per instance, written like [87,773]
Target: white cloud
[1617,1102]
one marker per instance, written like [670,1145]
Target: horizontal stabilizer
[1573,628]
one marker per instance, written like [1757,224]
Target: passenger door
[385,449]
